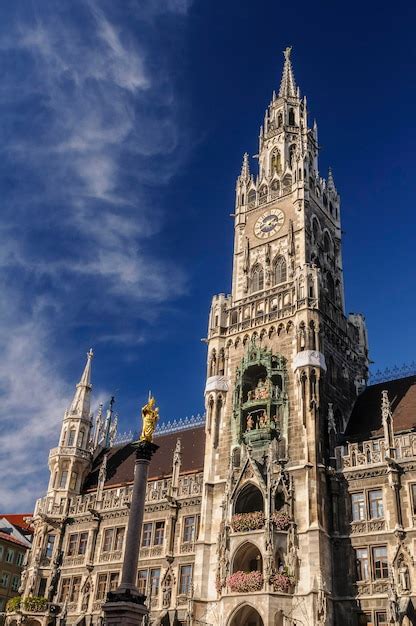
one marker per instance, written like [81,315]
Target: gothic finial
[80,404]
[388,425]
[288,84]
[245,168]
[330,182]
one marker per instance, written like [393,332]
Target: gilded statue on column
[150,416]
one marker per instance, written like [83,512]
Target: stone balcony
[69,451]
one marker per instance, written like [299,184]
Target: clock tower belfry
[284,368]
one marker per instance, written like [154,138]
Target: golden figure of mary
[150,416]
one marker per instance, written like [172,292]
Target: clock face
[269,223]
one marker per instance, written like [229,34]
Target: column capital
[145,450]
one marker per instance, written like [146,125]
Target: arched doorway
[246,616]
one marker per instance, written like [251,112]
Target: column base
[124,607]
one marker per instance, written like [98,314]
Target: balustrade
[366,453]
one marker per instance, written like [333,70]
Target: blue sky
[122,128]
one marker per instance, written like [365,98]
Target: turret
[70,461]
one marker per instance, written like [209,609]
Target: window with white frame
[185,580]
[9,556]
[15,582]
[20,557]
[4,579]
[375,503]
[189,529]
[113,539]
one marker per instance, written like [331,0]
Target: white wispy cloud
[85,140]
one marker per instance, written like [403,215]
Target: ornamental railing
[358,455]
[393,373]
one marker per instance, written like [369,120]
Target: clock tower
[284,368]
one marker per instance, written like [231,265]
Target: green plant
[37,604]
[13,604]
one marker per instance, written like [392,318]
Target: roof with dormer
[365,419]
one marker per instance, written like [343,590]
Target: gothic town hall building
[293,502]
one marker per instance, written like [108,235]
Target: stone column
[125,606]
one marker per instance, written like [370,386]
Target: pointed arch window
[257,278]
[280,120]
[280,270]
[330,286]
[291,117]
[71,437]
[251,195]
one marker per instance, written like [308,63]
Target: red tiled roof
[120,459]
[17,519]
[365,419]
[11,539]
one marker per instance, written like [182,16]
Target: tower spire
[245,168]
[80,404]
[330,180]
[288,84]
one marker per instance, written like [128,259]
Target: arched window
[252,195]
[218,408]
[330,286]
[291,117]
[275,186]
[80,438]
[287,184]
[71,437]
[249,500]
[327,243]
[257,278]
[275,162]
[234,317]
[280,270]
[280,120]
[236,457]
[316,230]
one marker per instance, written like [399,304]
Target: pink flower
[281,582]
[244,522]
[245,582]
[281,520]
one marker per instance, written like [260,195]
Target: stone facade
[281,509]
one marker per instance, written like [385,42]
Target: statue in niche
[263,420]
[167,592]
[250,422]
[393,614]
[276,162]
[403,576]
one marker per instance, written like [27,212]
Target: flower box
[244,522]
[245,582]
[280,520]
[34,604]
[281,582]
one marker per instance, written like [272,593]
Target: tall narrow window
[83,541]
[291,117]
[108,540]
[380,564]
[49,546]
[72,544]
[217,426]
[413,488]
[154,576]
[361,559]
[257,278]
[63,479]
[358,506]
[147,534]
[114,576]
[118,544]
[189,529]
[375,501]
[76,586]
[159,533]
[275,162]
[185,580]
[142,581]
[280,270]
[101,586]
[71,437]
[65,587]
